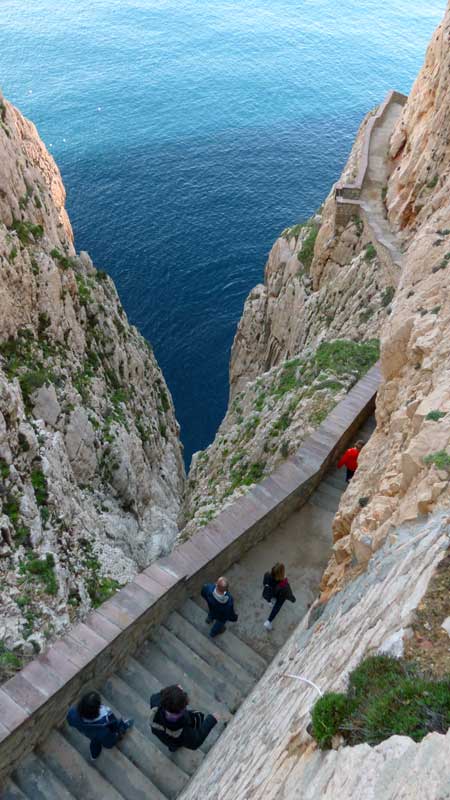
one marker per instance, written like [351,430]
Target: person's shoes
[268,625]
[213,635]
[273,601]
[172,749]
[94,758]
[129,723]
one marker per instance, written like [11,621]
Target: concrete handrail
[36,699]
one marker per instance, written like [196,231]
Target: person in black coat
[220,605]
[276,588]
[97,723]
[175,724]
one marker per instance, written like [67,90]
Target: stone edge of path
[36,699]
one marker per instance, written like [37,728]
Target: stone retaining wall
[347,194]
[37,698]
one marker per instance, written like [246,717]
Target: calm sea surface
[189,133]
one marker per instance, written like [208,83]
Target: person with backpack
[175,724]
[350,460]
[276,590]
[220,606]
[98,723]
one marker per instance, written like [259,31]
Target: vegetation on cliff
[385,697]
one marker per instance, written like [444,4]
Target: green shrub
[433,182]
[306,254]
[343,356]
[26,231]
[435,416]
[386,696]
[40,570]
[370,252]
[39,483]
[375,673]
[387,295]
[328,717]
[441,460]
[412,708]
[64,261]
[287,381]
[4,469]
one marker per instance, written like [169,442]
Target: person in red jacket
[350,460]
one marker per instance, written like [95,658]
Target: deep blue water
[189,133]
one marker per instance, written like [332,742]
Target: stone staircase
[376,180]
[217,674]
[329,491]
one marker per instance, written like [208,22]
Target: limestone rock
[46,404]
[92,469]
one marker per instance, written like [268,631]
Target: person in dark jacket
[220,605]
[98,723]
[350,460]
[276,589]
[175,724]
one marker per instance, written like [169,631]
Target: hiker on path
[350,460]
[175,724]
[220,605]
[98,723]
[276,590]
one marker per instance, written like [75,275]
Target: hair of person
[222,583]
[278,571]
[359,444]
[89,705]
[174,699]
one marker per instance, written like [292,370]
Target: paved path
[371,198]
[218,674]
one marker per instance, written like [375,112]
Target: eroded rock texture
[90,460]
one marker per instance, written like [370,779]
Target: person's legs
[349,474]
[273,613]
[95,748]
[217,628]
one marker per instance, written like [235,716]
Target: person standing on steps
[276,590]
[98,723]
[350,460]
[175,724]
[220,606]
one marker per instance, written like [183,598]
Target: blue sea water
[189,133]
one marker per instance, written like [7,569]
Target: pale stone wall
[266,753]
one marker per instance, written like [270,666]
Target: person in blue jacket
[220,605]
[98,723]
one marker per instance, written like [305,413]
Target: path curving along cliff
[153,632]
[366,196]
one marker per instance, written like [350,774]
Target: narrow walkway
[218,674]
[371,198]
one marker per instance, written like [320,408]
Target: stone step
[12,792]
[228,642]
[134,695]
[78,776]
[38,781]
[157,764]
[198,669]
[324,501]
[207,649]
[199,698]
[117,769]
[326,490]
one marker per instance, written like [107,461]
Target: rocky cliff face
[306,335]
[392,528]
[405,468]
[90,460]
[266,752]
